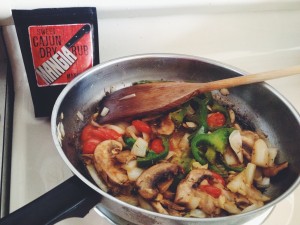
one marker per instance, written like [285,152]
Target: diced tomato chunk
[86,132]
[141,126]
[211,190]
[105,133]
[216,119]
[88,147]
[218,177]
[157,145]
[91,136]
[101,133]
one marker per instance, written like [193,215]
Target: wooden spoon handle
[249,79]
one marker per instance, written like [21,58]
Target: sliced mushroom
[106,164]
[174,212]
[185,194]
[164,186]
[166,126]
[145,204]
[159,208]
[125,156]
[169,195]
[171,205]
[147,182]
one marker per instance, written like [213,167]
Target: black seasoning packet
[57,44]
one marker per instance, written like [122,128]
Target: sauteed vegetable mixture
[195,161]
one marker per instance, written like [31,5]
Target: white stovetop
[247,36]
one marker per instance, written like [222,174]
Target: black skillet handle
[72,198]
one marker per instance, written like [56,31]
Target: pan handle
[72,198]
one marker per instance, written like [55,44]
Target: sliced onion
[131,131]
[96,178]
[258,174]
[115,128]
[260,153]
[197,213]
[146,136]
[235,140]
[250,173]
[263,183]
[123,125]
[191,124]
[230,157]
[144,204]
[130,165]
[184,143]
[256,195]
[139,147]
[231,208]
[237,184]
[134,173]
[193,202]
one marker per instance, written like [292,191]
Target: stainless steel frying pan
[258,104]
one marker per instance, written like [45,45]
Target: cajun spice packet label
[60,52]
[57,44]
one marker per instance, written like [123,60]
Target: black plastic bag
[57,44]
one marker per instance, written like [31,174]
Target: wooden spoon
[152,98]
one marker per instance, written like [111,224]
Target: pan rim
[55,113]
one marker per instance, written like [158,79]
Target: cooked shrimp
[106,164]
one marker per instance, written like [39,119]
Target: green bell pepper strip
[152,157]
[203,114]
[199,156]
[129,141]
[210,155]
[218,140]
[200,116]
[196,152]
[178,116]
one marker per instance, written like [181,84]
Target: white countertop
[251,38]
